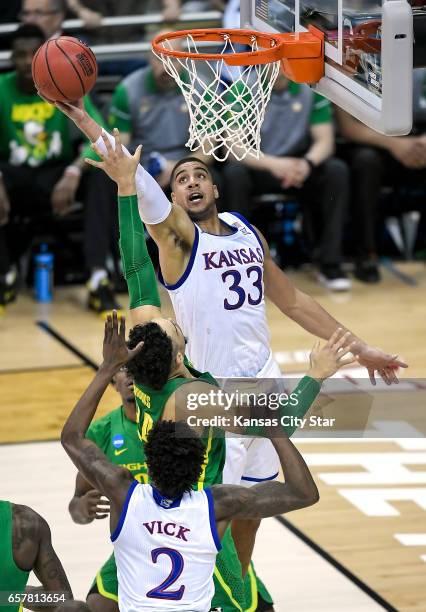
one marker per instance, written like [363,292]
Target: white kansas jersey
[219,301]
[165,551]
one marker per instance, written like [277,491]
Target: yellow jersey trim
[227,589]
[102,590]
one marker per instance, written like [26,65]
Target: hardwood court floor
[374,526]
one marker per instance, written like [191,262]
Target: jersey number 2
[160,591]
[254,273]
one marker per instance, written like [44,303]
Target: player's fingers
[346,349]
[109,328]
[94,163]
[97,150]
[138,152]
[108,145]
[334,337]
[384,376]
[372,376]
[341,342]
[122,327]
[397,362]
[136,350]
[118,145]
[392,376]
[347,361]
[114,322]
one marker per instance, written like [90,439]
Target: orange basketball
[64,69]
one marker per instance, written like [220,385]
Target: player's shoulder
[30,522]
[7,78]
[103,424]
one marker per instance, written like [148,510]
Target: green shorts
[231,593]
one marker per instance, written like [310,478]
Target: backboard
[368,53]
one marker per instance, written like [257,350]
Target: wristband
[73,170]
[312,166]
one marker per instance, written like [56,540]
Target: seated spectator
[297,140]
[149,109]
[40,176]
[49,14]
[379,160]
[46,14]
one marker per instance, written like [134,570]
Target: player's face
[22,56]
[124,386]
[193,189]
[43,13]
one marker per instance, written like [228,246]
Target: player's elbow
[311,497]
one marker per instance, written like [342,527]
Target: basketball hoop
[227,92]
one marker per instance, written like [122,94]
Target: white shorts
[252,460]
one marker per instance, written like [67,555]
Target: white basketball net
[226,103]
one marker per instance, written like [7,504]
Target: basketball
[64,69]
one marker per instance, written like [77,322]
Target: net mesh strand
[226,103]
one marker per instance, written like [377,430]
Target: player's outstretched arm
[32,548]
[306,311]
[268,498]
[155,209]
[111,480]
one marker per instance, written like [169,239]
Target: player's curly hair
[174,455]
[153,363]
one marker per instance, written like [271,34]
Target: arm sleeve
[154,207]
[137,265]
[307,390]
[321,110]
[119,114]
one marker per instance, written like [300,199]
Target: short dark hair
[186,160]
[174,455]
[153,363]
[27,31]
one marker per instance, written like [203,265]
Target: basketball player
[26,546]
[166,519]
[117,436]
[217,269]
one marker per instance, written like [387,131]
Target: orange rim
[272,45]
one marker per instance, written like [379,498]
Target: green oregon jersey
[12,579]
[150,404]
[32,131]
[118,438]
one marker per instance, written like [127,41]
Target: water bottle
[156,163]
[43,275]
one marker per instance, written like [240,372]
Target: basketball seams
[71,64]
[84,48]
[48,68]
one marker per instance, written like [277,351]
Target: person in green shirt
[42,174]
[26,546]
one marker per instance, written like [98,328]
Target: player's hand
[91,19]
[4,205]
[63,194]
[376,360]
[92,505]
[119,166]
[326,360]
[115,351]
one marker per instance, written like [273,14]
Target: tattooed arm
[111,480]
[268,498]
[33,550]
